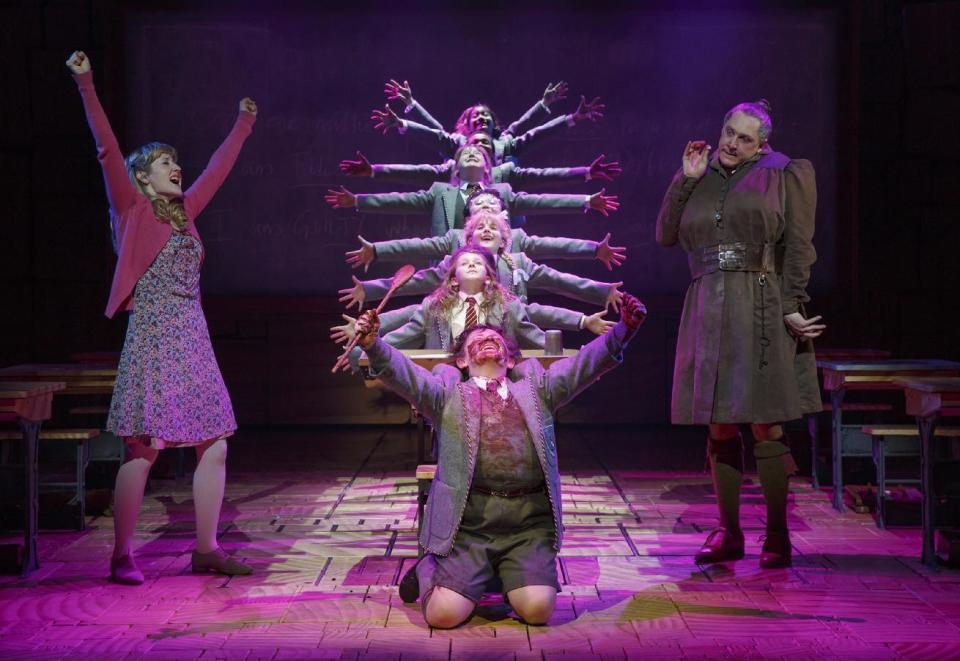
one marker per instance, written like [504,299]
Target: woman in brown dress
[744,352]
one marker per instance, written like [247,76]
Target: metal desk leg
[927,426]
[812,431]
[83,458]
[836,400]
[880,463]
[31,434]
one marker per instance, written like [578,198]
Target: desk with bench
[78,379]
[929,400]
[840,376]
[28,403]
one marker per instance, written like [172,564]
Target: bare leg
[447,609]
[533,603]
[208,483]
[128,495]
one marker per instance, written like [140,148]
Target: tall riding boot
[726,466]
[774,466]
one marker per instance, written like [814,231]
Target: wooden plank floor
[326,517]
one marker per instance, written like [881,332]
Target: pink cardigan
[140,235]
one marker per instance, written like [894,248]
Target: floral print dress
[169,391]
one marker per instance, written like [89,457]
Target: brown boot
[721,545]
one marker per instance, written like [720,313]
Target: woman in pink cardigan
[169,391]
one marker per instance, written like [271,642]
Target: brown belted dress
[749,239]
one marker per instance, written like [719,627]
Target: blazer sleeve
[391,320]
[545,278]
[446,143]
[427,391]
[534,114]
[533,136]
[544,203]
[550,316]
[419,175]
[553,247]
[568,377]
[413,334]
[528,334]
[432,247]
[671,209]
[800,206]
[421,283]
[531,177]
[427,118]
[421,200]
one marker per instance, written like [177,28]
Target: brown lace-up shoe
[721,545]
[776,550]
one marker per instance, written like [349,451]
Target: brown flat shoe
[124,571]
[776,550]
[721,545]
[220,562]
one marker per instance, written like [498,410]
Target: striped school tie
[471,319]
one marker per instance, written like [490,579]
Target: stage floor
[327,519]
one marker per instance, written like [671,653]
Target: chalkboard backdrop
[666,77]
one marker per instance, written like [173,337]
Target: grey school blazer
[425,174]
[437,247]
[527,275]
[450,404]
[441,201]
[429,330]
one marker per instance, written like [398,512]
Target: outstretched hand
[632,311]
[353,295]
[247,105]
[553,93]
[367,328]
[358,168]
[603,203]
[600,170]
[592,110]
[615,296]
[362,256]
[596,324]
[610,255]
[395,90]
[385,119]
[343,334]
[801,327]
[78,62]
[340,199]
[696,155]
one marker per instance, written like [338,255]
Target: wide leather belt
[516,493]
[737,256]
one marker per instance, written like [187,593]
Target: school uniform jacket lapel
[449,198]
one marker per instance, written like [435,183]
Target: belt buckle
[732,257]
[500,494]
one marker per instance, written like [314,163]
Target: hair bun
[767,108]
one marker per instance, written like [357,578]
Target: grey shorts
[507,537]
